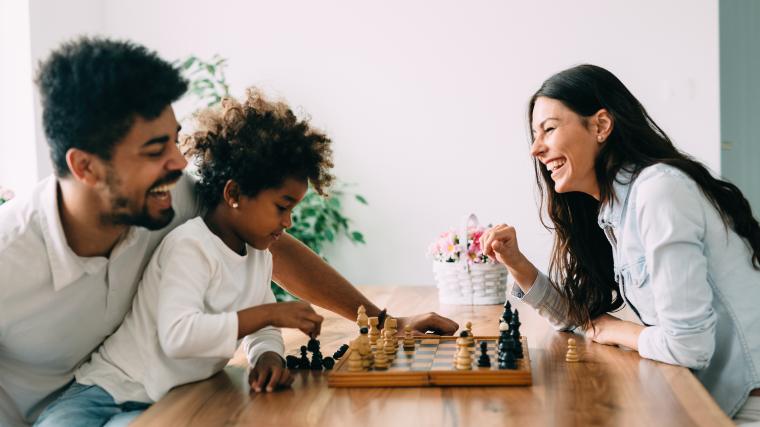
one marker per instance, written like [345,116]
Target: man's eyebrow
[163,139]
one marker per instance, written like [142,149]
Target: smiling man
[73,251]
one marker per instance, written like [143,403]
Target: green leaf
[361,199]
[329,235]
[357,237]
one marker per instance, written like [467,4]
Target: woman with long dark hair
[637,221]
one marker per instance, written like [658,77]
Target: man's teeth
[554,165]
[163,188]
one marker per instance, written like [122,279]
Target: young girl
[208,283]
[638,222]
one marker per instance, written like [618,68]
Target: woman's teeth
[554,165]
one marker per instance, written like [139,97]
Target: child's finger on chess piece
[269,373]
[299,315]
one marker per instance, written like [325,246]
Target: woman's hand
[609,330]
[500,243]
[270,370]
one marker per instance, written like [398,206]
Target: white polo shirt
[57,307]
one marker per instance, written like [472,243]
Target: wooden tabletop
[610,386]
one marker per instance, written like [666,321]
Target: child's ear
[232,194]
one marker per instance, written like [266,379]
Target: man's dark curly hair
[93,89]
[258,144]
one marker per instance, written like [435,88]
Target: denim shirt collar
[611,214]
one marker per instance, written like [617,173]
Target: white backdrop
[425,100]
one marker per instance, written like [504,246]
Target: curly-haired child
[208,283]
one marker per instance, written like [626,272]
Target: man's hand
[422,323]
[270,370]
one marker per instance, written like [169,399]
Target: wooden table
[610,386]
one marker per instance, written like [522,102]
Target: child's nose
[287,221]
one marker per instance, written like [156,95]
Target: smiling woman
[638,222]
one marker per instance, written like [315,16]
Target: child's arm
[184,328]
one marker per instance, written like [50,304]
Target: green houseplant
[317,221]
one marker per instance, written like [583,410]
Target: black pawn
[328,362]
[340,352]
[292,362]
[507,357]
[484,361]
[303,362]
[507,315]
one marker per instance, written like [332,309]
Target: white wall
[18,165]
[425,100]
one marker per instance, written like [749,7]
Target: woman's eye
[547,130]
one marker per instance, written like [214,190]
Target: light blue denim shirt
[687,276]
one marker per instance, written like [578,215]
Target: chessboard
[431,363]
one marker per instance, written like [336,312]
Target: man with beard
[73,251]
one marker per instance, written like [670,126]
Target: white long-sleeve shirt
[183,323]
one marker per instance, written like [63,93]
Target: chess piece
[303,362]
[316,361]
[507,314]
[484,361]
[354,358]
[340,352]
[361,317]
[365,349]
[507,357]
[291,361]
[408,339]
[463,360]
[470,336]
[390,344]
[514,330]
[391,324]
[329,362]
[572,353]
[374,333]
[381,359]
[503,335]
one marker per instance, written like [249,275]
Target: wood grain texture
[609,386]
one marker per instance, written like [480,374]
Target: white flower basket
[462,282]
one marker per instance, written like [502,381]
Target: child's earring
[600,138]
[235,205]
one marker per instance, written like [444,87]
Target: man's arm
[304,274]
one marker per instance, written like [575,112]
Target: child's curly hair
[258,144]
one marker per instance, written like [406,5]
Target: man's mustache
[168,179]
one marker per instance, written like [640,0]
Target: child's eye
[281,208]
[156,154]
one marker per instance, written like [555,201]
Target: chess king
[78,244]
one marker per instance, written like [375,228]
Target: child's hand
[270,370]
[298,315]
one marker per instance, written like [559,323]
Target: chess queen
[637,221]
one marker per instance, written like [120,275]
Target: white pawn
[470,336]
[390,344]
[361,317]
[572,353]
[374,333]
[381,359]
[365,349]
[408,339]
[463,359]
[354,358]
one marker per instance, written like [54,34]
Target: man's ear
[231,194]
[85,167]
[604,124]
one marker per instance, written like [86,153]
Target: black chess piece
[291,362]
[507,357]
[484,361]
[303,362]
[329,362]
[340,352]
[316,362]
[313,345]
[507,315]
[514,329]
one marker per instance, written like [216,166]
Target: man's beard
[125,212]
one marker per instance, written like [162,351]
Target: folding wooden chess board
[431,363]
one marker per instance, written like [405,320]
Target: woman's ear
[232,194]
[604,124]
